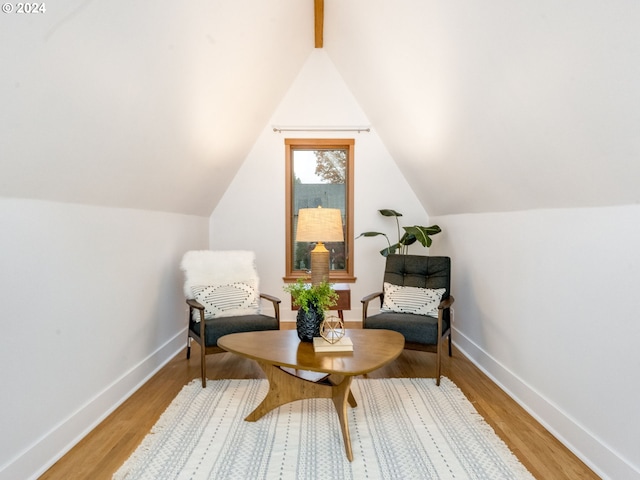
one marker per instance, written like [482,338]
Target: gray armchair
[221,289]
[420,312]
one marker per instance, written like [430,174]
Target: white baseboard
[39,457]
[591,450]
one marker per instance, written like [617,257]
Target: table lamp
[319,225]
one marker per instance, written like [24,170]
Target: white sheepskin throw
[225,282]
[211,267]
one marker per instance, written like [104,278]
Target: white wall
[547,303]
[91,306]
[251,212]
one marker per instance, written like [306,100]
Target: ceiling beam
[319,22]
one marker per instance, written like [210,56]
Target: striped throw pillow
[416,300]
[227,300]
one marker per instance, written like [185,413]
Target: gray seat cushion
[415,328]
[218,327]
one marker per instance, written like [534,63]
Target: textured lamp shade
[319,225]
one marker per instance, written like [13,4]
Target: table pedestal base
[285,387]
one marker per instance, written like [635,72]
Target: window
[319,172]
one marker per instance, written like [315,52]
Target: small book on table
[343,345]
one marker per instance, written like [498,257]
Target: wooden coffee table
[296,372]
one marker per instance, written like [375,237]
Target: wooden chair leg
[438,351]
[188,347]
[450,354]
[203,366]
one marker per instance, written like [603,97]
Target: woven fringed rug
[402,428]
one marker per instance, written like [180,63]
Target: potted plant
[410,236]
[312,301]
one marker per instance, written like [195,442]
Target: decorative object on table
[202,435]
[332,329]
[319,225]
[313,300]
[343,344]
[308,323]
[410,236]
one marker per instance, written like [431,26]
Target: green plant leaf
[390,250]
[422,233]
[389,213]
[411,235]
[303,294]
[370,234]
[408,238]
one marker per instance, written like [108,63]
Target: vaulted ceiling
[485,106]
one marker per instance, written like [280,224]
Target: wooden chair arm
[446,303]
[365,303]
[195,304]
[371,296]
[276,304]
[271,298]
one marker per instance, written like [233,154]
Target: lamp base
[319,264]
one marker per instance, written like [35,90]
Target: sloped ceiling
[500,105]
[150,105]
[485,106]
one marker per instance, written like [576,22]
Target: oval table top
[372,349]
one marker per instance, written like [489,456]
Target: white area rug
[403,428]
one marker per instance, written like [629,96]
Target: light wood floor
[102,452]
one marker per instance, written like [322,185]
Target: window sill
[333,278]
